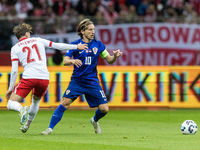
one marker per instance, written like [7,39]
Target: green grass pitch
[121,130]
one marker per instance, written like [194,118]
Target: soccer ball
[189,127]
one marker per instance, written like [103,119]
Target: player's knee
[8,105]
[66,102]
[36,98]
[104,110]
[31,113]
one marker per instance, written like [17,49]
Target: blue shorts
[93,93]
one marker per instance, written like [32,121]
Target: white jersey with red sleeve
[32,56]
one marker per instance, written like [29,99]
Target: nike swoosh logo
[80,52]
[55,115]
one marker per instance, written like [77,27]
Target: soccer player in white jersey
[30,52]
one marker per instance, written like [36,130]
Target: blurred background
[58,18]
[63,16]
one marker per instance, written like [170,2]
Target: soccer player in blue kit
[84,79]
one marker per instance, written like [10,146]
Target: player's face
[88,34]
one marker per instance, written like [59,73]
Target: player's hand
[82,46]
[77,62]
[117,53]
[8,94]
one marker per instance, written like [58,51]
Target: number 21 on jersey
[29,50]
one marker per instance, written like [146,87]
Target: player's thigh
[41,87]
[24,87]
[74,90]
[15,97]
[95,96]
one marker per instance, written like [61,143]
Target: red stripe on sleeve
[50,43]
[15,59]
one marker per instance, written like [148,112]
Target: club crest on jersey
[95,50]
[67,92]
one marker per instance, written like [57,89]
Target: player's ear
[82,31]
[27,34]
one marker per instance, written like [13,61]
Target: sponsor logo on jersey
[95,50]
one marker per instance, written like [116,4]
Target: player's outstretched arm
[111,59]
[63,46]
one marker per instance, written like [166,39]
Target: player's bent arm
[110,59]
[13,77]
[68,61]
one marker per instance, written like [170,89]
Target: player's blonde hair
[83,26]
[21,29]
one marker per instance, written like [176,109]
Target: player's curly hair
[21,29]
[83,26]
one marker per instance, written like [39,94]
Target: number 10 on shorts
[102,94]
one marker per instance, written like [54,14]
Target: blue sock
[98,115]
[57,116]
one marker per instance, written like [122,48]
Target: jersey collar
[23,39]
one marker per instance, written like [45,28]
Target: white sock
[14,105]
[33,110]
[28,123]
